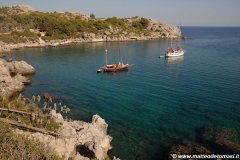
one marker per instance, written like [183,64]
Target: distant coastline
[24,27]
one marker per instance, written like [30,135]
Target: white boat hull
[175,53]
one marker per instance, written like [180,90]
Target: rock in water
[228,139]
[21,67]
[11,79]
[195,149]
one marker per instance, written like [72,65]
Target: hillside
[24,24]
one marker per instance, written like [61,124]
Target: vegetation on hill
[141,24]
[60,25]
[18,37]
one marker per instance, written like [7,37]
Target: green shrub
[18,37]
[98,24]
[60,25]
[12,38]
[141,24]
[118,22]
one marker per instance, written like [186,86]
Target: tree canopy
[63,25]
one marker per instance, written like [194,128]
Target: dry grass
[35,119]
[17,147]
[14,146]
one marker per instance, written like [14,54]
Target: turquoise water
[158,103]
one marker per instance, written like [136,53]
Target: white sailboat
[174,51]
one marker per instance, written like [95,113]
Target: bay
[158,103]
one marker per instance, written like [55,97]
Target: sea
[158,103]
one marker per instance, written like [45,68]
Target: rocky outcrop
[158,30]
[21,9]
[6,47]
[24,80]
[155,30]
[11,77]
[20,67]
[80,140]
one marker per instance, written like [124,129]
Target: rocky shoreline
[13,77]
[91,37]
[100,30]
[79,140]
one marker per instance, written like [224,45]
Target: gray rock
[99,124]
[107,33]
[92,35]
[82,140]
[22,79]
[11,84]
[57,116]
[21,67]
[24,8]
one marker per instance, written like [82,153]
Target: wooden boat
[114,67]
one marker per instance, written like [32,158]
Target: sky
[177,12]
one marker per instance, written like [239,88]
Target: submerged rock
[195,149]
[221,138]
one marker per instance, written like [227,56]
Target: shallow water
[158,103]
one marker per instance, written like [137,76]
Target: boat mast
[119,58]
[106,56]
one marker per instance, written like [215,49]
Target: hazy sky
[178,12]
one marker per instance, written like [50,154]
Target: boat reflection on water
[116,74]
[174,60]
[174,65]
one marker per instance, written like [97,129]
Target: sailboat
[113,67]
[174,51]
